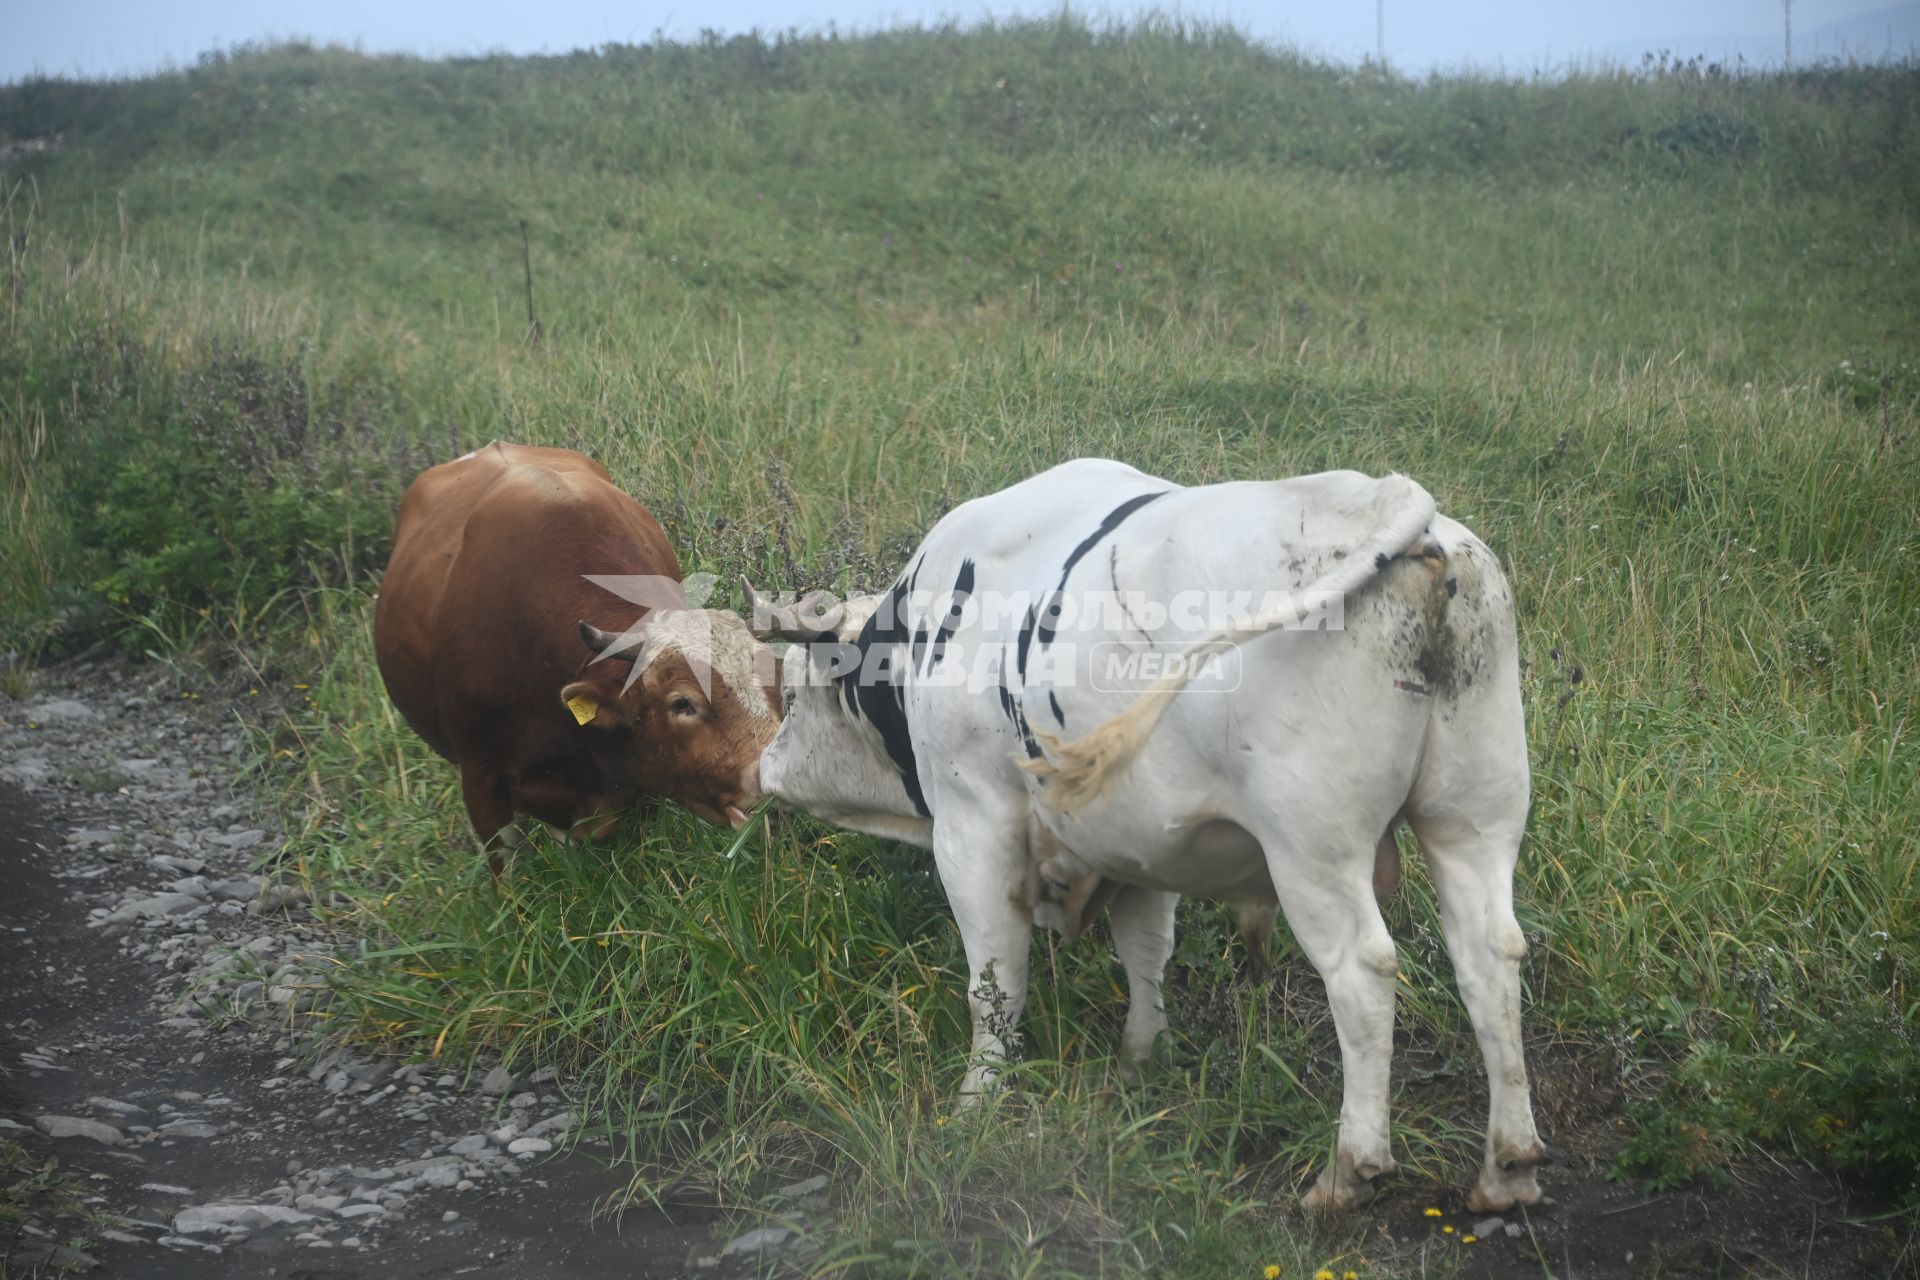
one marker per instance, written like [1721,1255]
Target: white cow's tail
[1078,771]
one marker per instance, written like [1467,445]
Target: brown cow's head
[693,697]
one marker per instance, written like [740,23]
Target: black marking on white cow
[956,607]
[1050,615]
[1026,641]
[1017,717]
[1049,619]
[1059,716]
[872,688]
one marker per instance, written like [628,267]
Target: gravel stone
[190,1129]
[28,774]
[759,1240]
[318,1204]
[57,709]
[229,1219]
[157,907]
[805,1187]
[80,1127]
[236,889]
[559,1123]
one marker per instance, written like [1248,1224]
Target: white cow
[992,733]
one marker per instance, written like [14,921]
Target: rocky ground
[159,1037]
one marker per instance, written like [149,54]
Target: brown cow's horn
[601,642]
[816,617]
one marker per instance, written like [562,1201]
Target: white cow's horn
[816,617]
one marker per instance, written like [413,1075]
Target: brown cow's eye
[682,706]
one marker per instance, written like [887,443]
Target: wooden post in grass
[526,261]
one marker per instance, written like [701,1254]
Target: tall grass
[1650,336]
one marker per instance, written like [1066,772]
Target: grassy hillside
[1653,337]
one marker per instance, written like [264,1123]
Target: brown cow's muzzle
[749,795]
[722,811]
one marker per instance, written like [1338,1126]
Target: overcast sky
[100,37]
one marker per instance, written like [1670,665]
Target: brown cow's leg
[491,813]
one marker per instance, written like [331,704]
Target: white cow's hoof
[1347,1184]
[1498,1192]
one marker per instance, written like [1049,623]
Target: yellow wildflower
[1448,1229]
[1351,1275]
[1323,1274]
[1432,1212]
[1468,1239]
[1272,1272]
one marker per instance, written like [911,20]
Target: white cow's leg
[1326,892]
[1473,876]
[1142,922]
[991,886]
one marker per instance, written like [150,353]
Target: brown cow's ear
[590,706]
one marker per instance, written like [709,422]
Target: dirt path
[148,1015]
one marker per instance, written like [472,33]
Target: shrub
[1843,1093]
[228,480]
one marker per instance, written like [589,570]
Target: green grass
[42,1209]
[1652,337]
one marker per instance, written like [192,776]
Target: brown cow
[511,664]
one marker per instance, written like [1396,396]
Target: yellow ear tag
[584,708]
